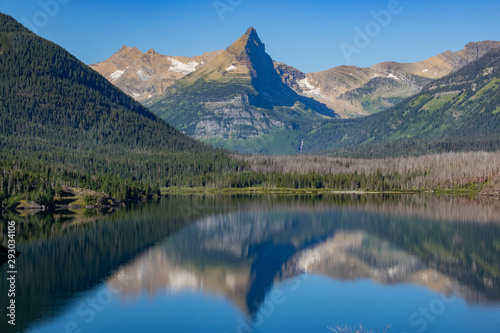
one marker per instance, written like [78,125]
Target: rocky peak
[253,38]
[247,45]
[127,54]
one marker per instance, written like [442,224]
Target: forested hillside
[461,111]
[63,123]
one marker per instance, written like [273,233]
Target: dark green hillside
[461,111]
[63,123]
[47,93]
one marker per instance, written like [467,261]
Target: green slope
[459,111]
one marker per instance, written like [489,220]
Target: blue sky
[310,35]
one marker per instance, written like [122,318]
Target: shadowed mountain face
[237,95]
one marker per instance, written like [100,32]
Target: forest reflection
[240,246]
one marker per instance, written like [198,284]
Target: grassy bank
[304,191]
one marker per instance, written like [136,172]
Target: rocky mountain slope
[237,95]
[461,109]
[144,75]
[352,91]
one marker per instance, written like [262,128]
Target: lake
[263,263]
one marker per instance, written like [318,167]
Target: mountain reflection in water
[242,255]
[240,247]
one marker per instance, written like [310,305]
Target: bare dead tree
[429,171]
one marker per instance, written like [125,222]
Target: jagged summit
[245,62]
[238,60]
[237,94]
[144,75]
[249,49]
[250,31]
[252,38]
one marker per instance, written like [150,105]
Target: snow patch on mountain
[308,89]
[116,74]
[181,67]
[231,68]
[393,77]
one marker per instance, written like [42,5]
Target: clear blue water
[265,264]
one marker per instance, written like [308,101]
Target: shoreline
[309,191]
[33,207]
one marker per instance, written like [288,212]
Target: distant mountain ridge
[461,110]
[353,91]
[348,90]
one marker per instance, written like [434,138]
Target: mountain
[353,91]
[349,90]
[459,111]
[227,102]
[63,123]
[144,75]
[237,95]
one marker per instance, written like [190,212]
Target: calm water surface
[261,264]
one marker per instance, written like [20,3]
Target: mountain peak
[250,31]
[127,49]
[243,96]
[252,37]
[249,43]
